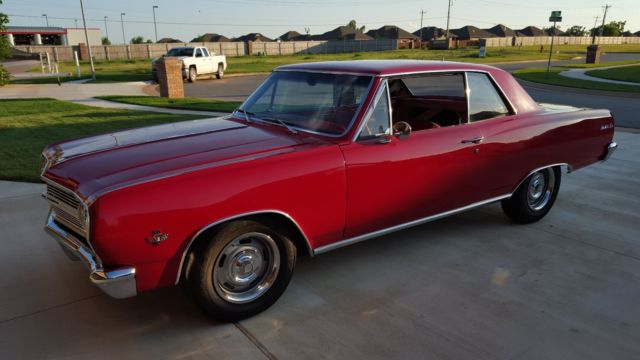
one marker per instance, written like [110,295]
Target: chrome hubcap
[541,186]
[246,268]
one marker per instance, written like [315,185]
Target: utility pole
[606,8]
[155,27]
[124,39]
[421,17]
[595,25]
[448,17]
[86,37]
[106,28]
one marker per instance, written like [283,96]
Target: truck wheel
[220,72]
[193,74]
[241,271]
[534,197]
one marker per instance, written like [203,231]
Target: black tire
[220,72]
[534,197]
[192,76]
[222,300]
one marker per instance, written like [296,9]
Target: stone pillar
[83,51]
[593,54]
[11,39]
[170,78]
[38,39]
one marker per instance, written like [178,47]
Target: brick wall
[170,78]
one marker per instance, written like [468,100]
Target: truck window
[198,53]
[205,52]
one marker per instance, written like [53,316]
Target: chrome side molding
[357,239]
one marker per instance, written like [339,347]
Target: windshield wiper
[246,113]
[288,127]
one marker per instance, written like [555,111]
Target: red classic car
[320,156]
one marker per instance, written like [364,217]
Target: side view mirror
[401,130]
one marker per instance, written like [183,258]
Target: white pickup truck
[195,61]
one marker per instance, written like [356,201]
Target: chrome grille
[68,208]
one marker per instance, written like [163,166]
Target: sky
[186,19]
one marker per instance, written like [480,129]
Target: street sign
[556,16]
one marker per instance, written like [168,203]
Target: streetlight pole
[86,37]
[46,18]
[106,28]
[124,39]
[155,27]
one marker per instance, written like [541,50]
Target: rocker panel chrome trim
[357,239]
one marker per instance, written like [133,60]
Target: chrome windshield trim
[360,238]
[332,72]
[218,222]
[356,114]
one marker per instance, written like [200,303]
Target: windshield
[184,51]
[325,103]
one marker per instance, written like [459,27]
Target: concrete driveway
[473,286]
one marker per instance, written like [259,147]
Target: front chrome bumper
[611,148]
[118,283]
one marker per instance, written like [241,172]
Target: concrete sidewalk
[581,74]
[472,286]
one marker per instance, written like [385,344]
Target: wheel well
[221,64]
[280,222]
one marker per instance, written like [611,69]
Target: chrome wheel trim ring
[246,268]
[540,189]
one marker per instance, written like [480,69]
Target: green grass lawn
[627,73]
[140,70]
[27,125]
[539,75]
[186,103]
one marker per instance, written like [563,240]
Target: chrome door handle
[475,140]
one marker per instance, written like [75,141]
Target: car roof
[383,67]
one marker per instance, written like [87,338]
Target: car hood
[94,165]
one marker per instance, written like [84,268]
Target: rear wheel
[534,197]
[220,72]
[242,270]
[193,74]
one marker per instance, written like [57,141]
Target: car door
[201,65]
[208,60]
[393,180]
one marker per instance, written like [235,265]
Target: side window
[429,101]
[484,100]
[378,122]
[198,53]
[205,52]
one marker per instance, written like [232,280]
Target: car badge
[157,237]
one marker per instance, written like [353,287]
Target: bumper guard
[118,283]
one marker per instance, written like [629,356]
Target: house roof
[253,37]
[213,37]
[290,36]
[555,31]
[391,32]
[471,32]
[530,31]
[431,32]
[501,31]
[168,41]
[343,33]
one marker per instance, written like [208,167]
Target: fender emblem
[606,126]
[157,237]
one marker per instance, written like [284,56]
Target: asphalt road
[625,107]
[472,286]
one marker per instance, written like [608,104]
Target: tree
[197,38]
[137,40]
[352,24]
[614,28]
[106,41]
[5,48]
[577,30]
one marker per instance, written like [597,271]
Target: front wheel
[242,270]
[220,72]
[534,197]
